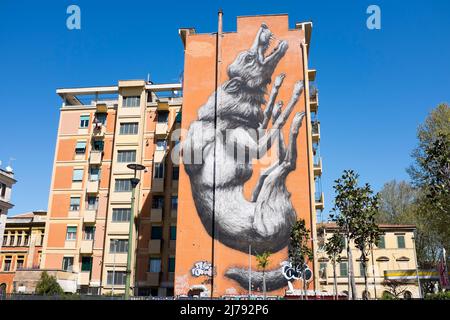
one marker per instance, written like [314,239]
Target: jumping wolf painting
[246,156]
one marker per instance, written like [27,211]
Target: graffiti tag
[202,268]
[291,273]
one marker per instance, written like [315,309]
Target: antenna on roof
[148,78]
[9,168]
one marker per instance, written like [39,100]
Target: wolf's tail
[274,278]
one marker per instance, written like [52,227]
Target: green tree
[354,212]
[48,285]
[430,174]
[299,248]
[334,247]
[263,262]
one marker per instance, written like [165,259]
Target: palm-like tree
[263,263]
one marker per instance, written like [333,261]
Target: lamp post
[134,182]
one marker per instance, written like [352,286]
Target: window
[175,173]
[131,102]
[159,170]
[161,144]
[84,121]
[71,233]
[80,148]
[362,270]
[323,270]
[89,232]
[118,245]
[7,263]
[121,215]
[343,270]
[116,277]
[19,240]
[178,117]
[86,264]
[122,185]
[157,202]
[26,238]
[163,116]
[92,203]
[173,233]
[98,145]
[381,243]
[171,264]
[77,175]
[156,233]
[67,263]
[12,238]
[126,156]
[3,189]
[74,203]
[154,265]
[94,173]
[5,240]
[174,203]
[20,262]
[401,241]
[128,128]
[100,118]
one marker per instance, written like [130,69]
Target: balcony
[316,131]
[86,246]
[314,100]
[319,200]
[98,131]
[158,185]
[156,215]
[83,278]
[92,186]
[161,129]
[89,216]
[95,157]
[154,246]
[153,278]
[318,167]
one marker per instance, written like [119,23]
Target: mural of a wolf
[265,220]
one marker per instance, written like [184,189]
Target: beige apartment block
[101,131]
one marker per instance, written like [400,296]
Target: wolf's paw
[279,80]
[298,88]
[297,122]
[276,111]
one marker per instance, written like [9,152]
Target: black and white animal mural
[243,115]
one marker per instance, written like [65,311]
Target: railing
[315,127]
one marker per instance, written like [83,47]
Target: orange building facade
[247,91]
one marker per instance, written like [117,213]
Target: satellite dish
[9,169]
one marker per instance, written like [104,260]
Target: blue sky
[375,86]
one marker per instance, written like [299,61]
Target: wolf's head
[252,69]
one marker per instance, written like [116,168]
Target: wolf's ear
[233,85]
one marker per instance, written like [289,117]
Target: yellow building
[393,259]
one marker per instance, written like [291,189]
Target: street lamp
[134,182]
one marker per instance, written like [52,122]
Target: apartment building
[6,182]
[393,260]
[102,130]
[22,247]
[216,246]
